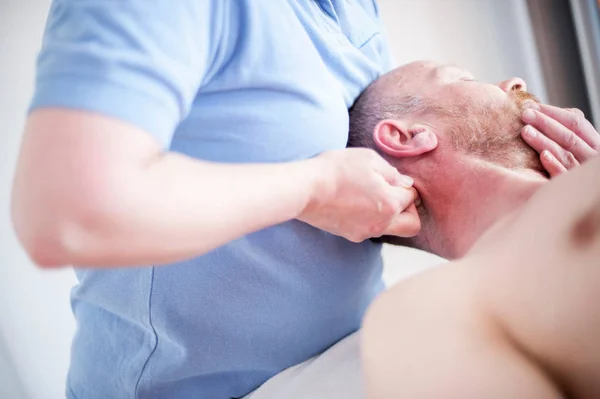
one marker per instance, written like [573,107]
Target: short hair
[371,107]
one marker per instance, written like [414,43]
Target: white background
[491,38]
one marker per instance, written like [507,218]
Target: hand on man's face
[564,138]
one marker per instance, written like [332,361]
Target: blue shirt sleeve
[137,60]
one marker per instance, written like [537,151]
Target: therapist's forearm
[95,201]
[166,217]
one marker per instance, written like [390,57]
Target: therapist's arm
[94,191]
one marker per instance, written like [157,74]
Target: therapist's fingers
[571,131]
[574,120]
[541,143]
[392,176]
[551,164]
[407,222]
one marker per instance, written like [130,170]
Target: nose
[513,84]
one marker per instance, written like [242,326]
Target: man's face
[450,85]
[480,170]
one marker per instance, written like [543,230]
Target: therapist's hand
[359,195]
[564,138]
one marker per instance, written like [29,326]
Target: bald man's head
[476,122]
[459,139]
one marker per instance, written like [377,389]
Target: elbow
[44,254]
[67,238]
[49,241]
[60,231]
[41,244]
[30,222]
[73,179]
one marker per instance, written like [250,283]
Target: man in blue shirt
[187,133]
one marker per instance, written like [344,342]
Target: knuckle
[578,113]
[569,160]
[577,117]
[541,123]
[375,230]
[354,237]
[571,143]
[362,236]
[388,207]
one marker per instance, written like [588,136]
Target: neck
[462,201]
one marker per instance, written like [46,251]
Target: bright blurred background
[553,44]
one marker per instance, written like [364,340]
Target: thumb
[406,224]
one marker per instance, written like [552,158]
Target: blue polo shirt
[226,81]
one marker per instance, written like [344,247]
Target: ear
[400,139]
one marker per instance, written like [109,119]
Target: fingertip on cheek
[530,104]
[528,115]
[546,156]
[529,132]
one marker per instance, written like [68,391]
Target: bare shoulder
[431,337]
[538,273]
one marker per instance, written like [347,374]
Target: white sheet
[334,374]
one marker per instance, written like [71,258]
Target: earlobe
[399,139]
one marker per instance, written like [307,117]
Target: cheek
[467,97]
